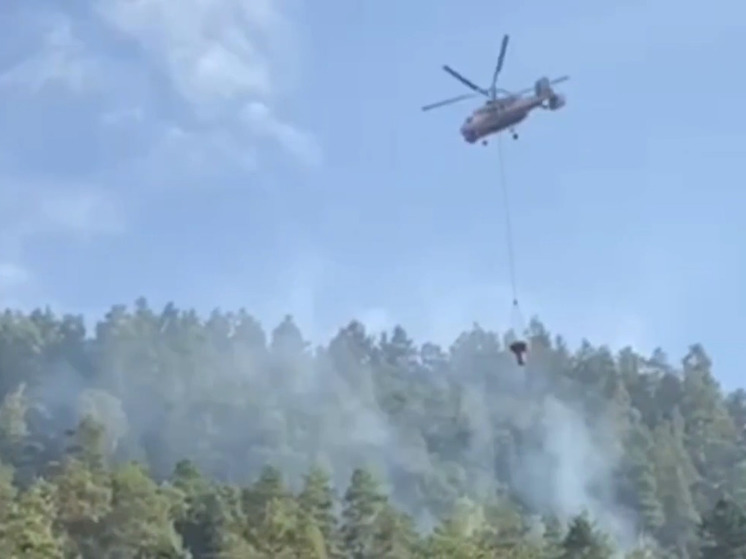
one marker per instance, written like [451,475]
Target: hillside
[164,431]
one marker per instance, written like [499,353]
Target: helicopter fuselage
[498,115]
[505,111]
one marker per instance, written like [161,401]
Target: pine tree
[723,532]
[316,499]
[363,502]
[583,541]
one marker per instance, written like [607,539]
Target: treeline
[81,509]
[370,446]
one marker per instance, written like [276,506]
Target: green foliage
[363,505]
[724,532]
[166,435]
[583,541]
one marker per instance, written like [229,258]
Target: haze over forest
[639,448]
[272,154]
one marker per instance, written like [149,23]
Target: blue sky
[271,154]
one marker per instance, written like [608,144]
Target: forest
[168,434]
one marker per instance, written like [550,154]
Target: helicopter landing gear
[514,134]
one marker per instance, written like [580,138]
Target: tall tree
[724,532]
[363,502]
[584,541]
[317,500]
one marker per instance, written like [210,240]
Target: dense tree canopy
[167,434]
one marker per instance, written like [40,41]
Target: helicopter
[503,109]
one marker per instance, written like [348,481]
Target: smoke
[560,459]
[570,470]
[235,402]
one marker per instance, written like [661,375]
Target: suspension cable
[508,224]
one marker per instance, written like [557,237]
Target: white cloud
[30,209]
[203,46]
[298,142]
[104,101]
[60,57]
[138,70]
[79,211]
[222,59]
[180,156]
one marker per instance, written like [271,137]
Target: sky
[271,154]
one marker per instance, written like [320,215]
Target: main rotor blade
[448,101]
[500,60]
[464,81]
